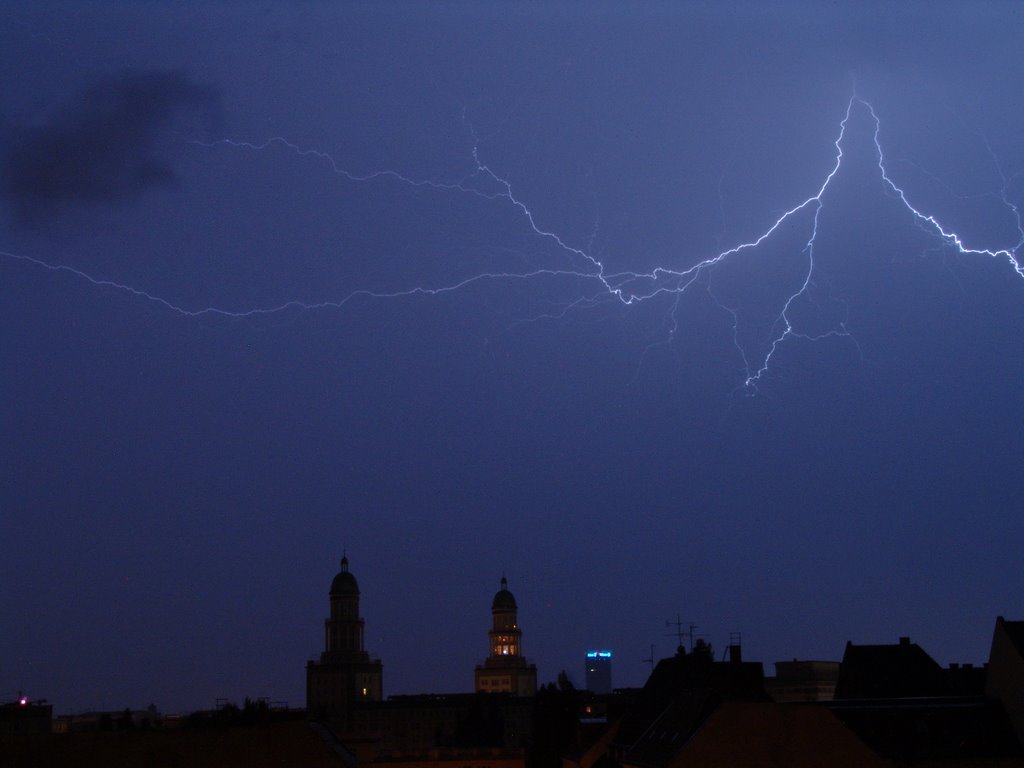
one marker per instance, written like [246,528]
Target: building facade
[803,681]
[599,671]
[345,673]
[505,670]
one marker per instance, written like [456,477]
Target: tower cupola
[344,583]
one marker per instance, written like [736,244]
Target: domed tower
[345,673]
[506,637]
[505,670]
[343,630]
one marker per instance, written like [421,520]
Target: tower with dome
[505,670]
[345,674]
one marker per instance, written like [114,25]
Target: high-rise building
[345,674]
[505,670]
[599,671]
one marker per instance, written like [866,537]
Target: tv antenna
[649,660]
[681,633]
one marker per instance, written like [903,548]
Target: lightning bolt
[626,287]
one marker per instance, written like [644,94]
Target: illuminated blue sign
[599,654]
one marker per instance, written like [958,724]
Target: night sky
[229,352]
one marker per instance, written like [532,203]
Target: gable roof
[755,734]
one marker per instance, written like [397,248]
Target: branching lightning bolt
[625,287]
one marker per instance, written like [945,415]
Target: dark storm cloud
[103,146]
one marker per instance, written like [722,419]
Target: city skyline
[706,314]
[677,637]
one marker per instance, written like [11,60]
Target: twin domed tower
[345,673]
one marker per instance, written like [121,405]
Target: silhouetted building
[741,734]
[25,716]
[902,670]
[112,720]
[599,671]
[505,670]
[465,725]
[888,672]
[345,673]
[286,742]
[681,693]
[1005,678]
[906,707]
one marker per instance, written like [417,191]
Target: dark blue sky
[178,485]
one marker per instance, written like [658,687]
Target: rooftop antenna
[649,660]
[680,633]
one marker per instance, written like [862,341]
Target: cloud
[103,146]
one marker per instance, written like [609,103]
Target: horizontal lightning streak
[628,287]
[293,303]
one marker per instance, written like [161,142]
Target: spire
[504,582]
[344,562]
